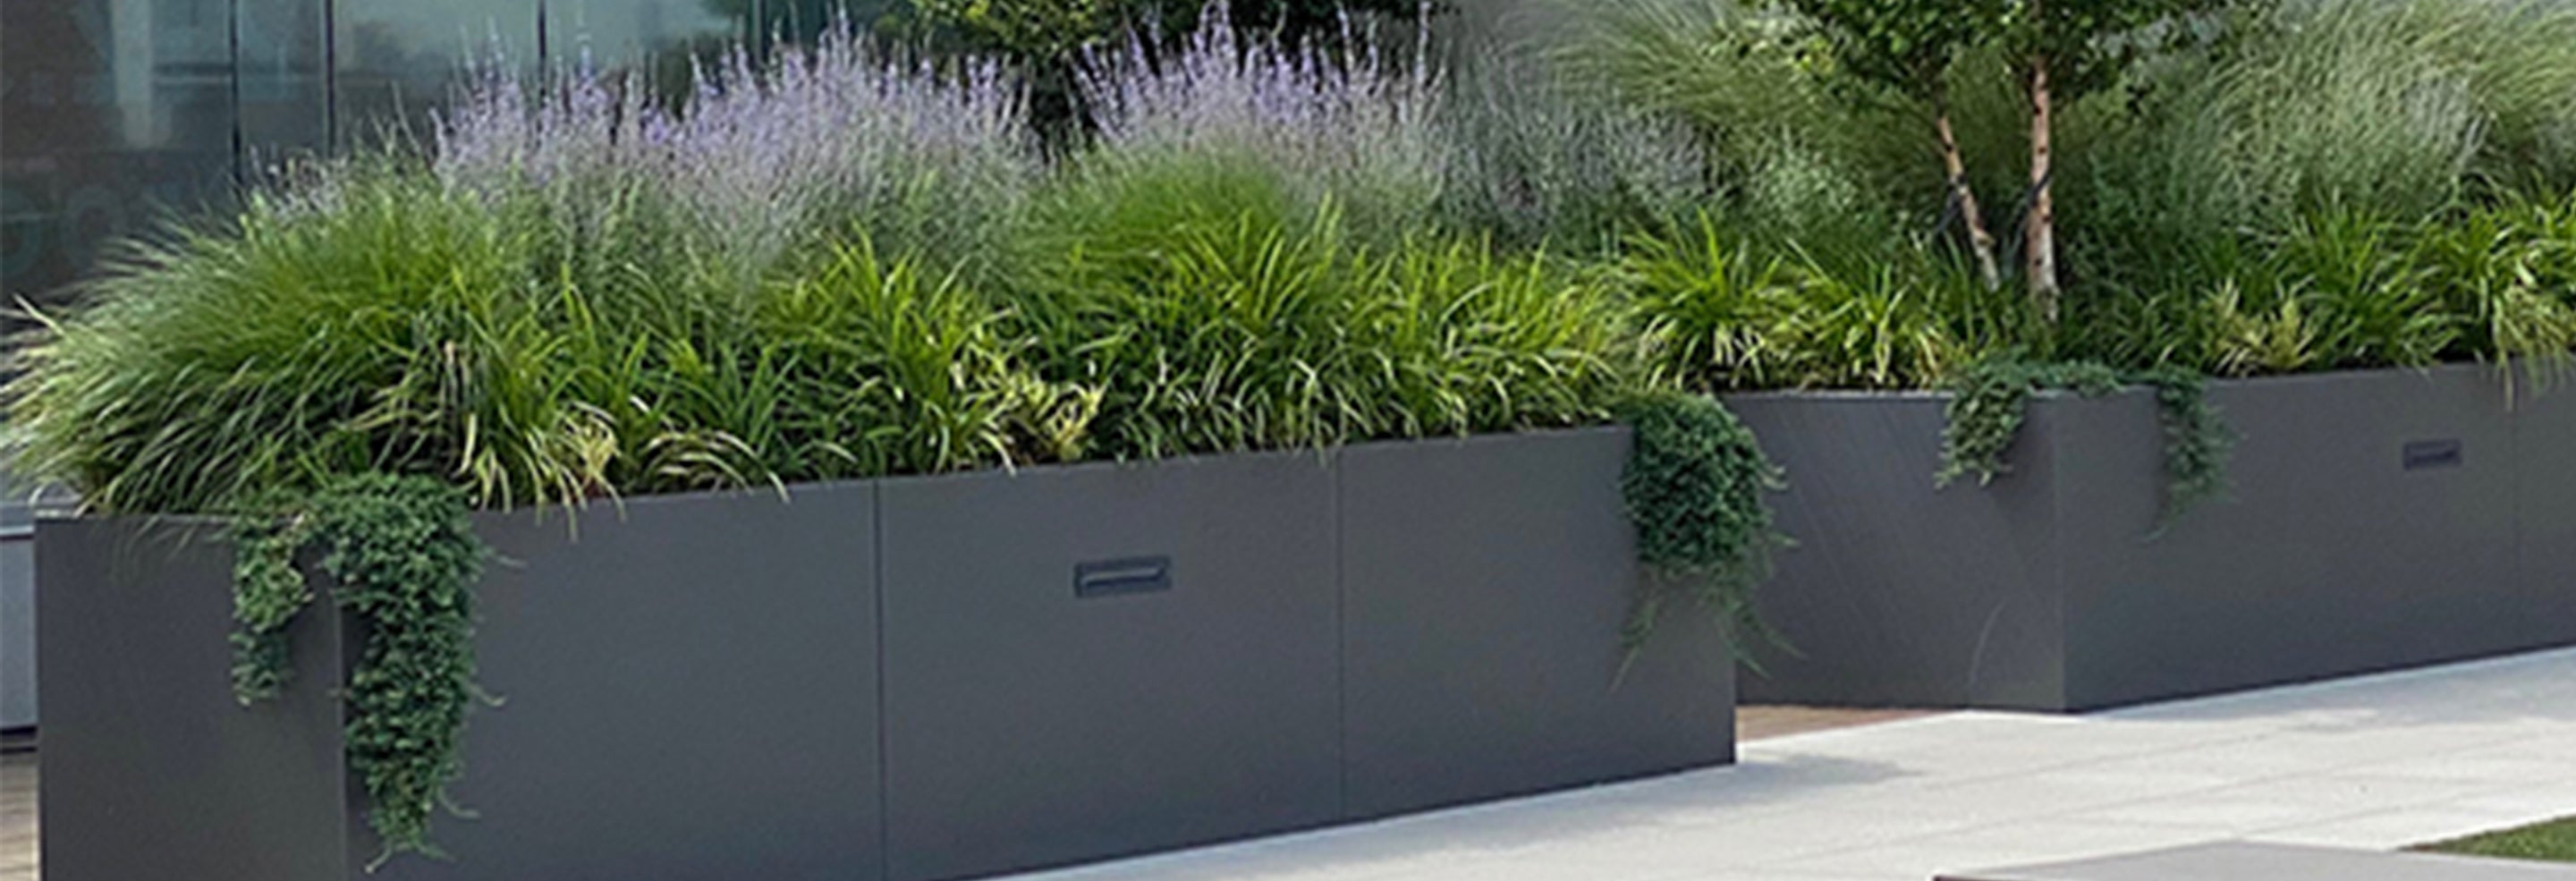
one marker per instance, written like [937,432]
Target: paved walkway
[2378,762]
[17,817]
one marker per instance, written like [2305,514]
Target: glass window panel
[398,61]
[118,113]
[657,38]
[283,90]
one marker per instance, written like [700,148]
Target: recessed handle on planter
[2427,455]
[1122,577]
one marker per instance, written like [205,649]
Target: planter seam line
[876,597]
[2058,583]
[1341,644]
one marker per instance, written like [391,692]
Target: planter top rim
[1837,394]
[613,505]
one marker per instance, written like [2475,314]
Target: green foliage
[269,591]
[1695,489]
[1723,312]
[1789,157]
[2196,440]
[393,328]
[1538,160]
[2341,291]
[402,556]
[2403,111]
[2089,45]
[1212,311]
[1905,47]
[2553,841]
[1991,399]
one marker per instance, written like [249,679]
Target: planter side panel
[17,614]
[2332,554]
[1485,584]
[1089,662]
[150,768]
[1899,593]
[690,691]
[2545,507]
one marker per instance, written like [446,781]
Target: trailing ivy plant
[1694,488]
[1989,402]
[1991,399]
[402,555]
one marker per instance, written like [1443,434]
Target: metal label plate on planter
[1122,577]
[2433,454]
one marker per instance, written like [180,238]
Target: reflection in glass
[284,106]
[119,113]
[658,39]
[397,61]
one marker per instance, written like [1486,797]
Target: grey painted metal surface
[2544,438]
[1076,663]
[2252,861]
[2372,523]
[1897,594]
[2332,555]
[689,692]
[1028,725]
[150,769]
[17,614]
[1485,583]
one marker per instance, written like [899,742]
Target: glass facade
[117,114]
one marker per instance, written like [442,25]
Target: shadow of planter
[914,679]
[2374,521]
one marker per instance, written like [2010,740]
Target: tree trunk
[1980,240]
[2040,242]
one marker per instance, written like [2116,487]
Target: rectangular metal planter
[1482,580]
[1103,660]
[17,611]
[2373,521]
[914,679]
[690,693]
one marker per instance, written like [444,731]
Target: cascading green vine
[402,555]
[1694,488]
[1991,399]
[2197,441]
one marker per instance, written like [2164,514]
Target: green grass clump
[1213,311]
[395,325]
[1725,312]
[2552,842]
[1152,305]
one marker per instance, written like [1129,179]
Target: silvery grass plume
[831,139]
[1535,158]
[1347,123]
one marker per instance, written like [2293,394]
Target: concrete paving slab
[2381,762]
[2241,861]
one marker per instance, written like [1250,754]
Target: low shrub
[1213,312]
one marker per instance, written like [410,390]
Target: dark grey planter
[150,770]
[1095,661]
[2374,521]
[1479,578]
[690,693]
[913,679]
[17,610]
